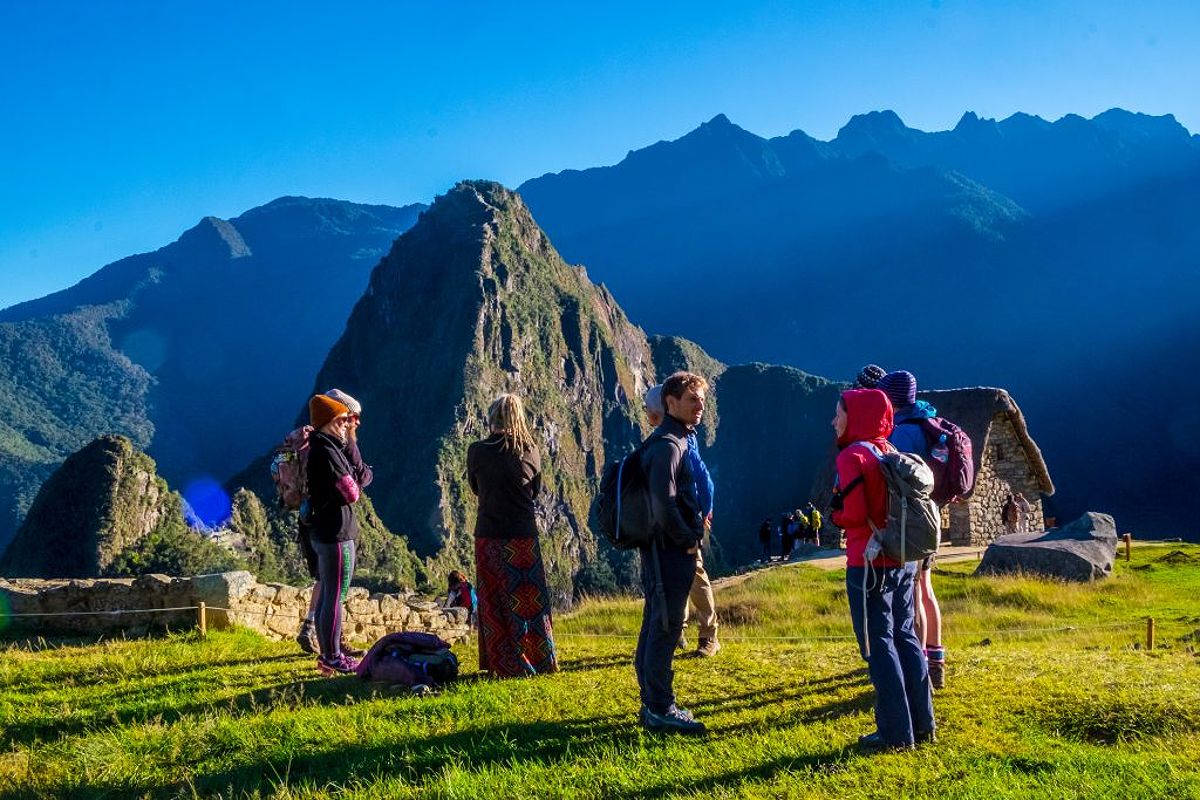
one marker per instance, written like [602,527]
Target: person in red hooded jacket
[880,590]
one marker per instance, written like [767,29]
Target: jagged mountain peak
[213,235]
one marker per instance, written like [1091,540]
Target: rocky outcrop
[103,500]
[136,606]
[1084,550]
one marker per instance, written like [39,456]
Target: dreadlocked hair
[507,416]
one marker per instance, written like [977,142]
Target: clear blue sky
[123,123]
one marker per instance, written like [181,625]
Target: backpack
[409,658]
[289,462]
[914,523]
[621,507]
[950,458]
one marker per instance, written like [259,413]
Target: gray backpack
[914,523]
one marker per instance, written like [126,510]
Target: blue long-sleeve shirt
[909,438]
[704,482]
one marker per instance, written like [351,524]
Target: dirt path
[836,559]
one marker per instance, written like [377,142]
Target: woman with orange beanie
[332,492]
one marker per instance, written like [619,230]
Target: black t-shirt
[506,484]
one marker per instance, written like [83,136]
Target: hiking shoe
[307,638]
[707,647]
[926,737]
[352,651]
[336,665]
[682,643]
[874,743]
[937,674]
[673,720]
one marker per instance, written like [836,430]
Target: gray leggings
[335,564]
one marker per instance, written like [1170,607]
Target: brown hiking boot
[350,650]
[707,647]
[307,637]
[937,674]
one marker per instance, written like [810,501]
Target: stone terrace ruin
[90,607]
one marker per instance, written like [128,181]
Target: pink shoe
[340,664]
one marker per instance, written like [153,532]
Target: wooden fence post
[203,619]
[1149,633]
[1128,544]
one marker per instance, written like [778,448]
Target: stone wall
[272,609]
[1004,469]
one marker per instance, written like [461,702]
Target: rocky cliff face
[472,302]
[102,501]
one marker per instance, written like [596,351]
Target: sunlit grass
[1082,713]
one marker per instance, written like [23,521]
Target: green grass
[1079,713]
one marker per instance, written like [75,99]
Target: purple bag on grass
[409,658]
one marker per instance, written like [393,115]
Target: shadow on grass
[285,694]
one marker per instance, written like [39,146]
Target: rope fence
[1149,623]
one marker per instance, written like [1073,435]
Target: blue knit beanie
[900,387]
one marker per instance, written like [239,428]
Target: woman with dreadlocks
[504,470]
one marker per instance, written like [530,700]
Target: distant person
[786,539]
[1010,514]
[669,564]
[909,437]
[701,594]
[333,529]
[868,377]
[814,522]
[880,590]
[516,636]
[764,540]
[1023,512]
[803,533]
[461,594]
[307,637]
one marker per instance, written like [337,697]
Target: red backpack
[289,462]
[950,458]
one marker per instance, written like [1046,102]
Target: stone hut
[1007,460]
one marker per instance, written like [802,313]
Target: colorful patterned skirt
[515,634]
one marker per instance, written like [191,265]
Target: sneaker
[682,643]
[352,651]
[926,737]
[674,720]
[937,674]
[336,665]
[874,743]
[307,638]
[707,647]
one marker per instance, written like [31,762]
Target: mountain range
[1023,253]
[196,351]
[1058,259]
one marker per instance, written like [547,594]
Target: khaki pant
[701,596]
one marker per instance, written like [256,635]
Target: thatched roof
[973,410]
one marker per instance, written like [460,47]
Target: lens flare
[209,503]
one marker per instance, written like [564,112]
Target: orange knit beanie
[323,409]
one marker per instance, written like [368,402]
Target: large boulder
[1081,551]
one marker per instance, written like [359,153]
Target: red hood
[869,416]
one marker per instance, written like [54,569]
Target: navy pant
[903,697]
[656,647]
[335,565]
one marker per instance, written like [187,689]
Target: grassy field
[1050,694]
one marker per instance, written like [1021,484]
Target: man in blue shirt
[701,595]
[909,437]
